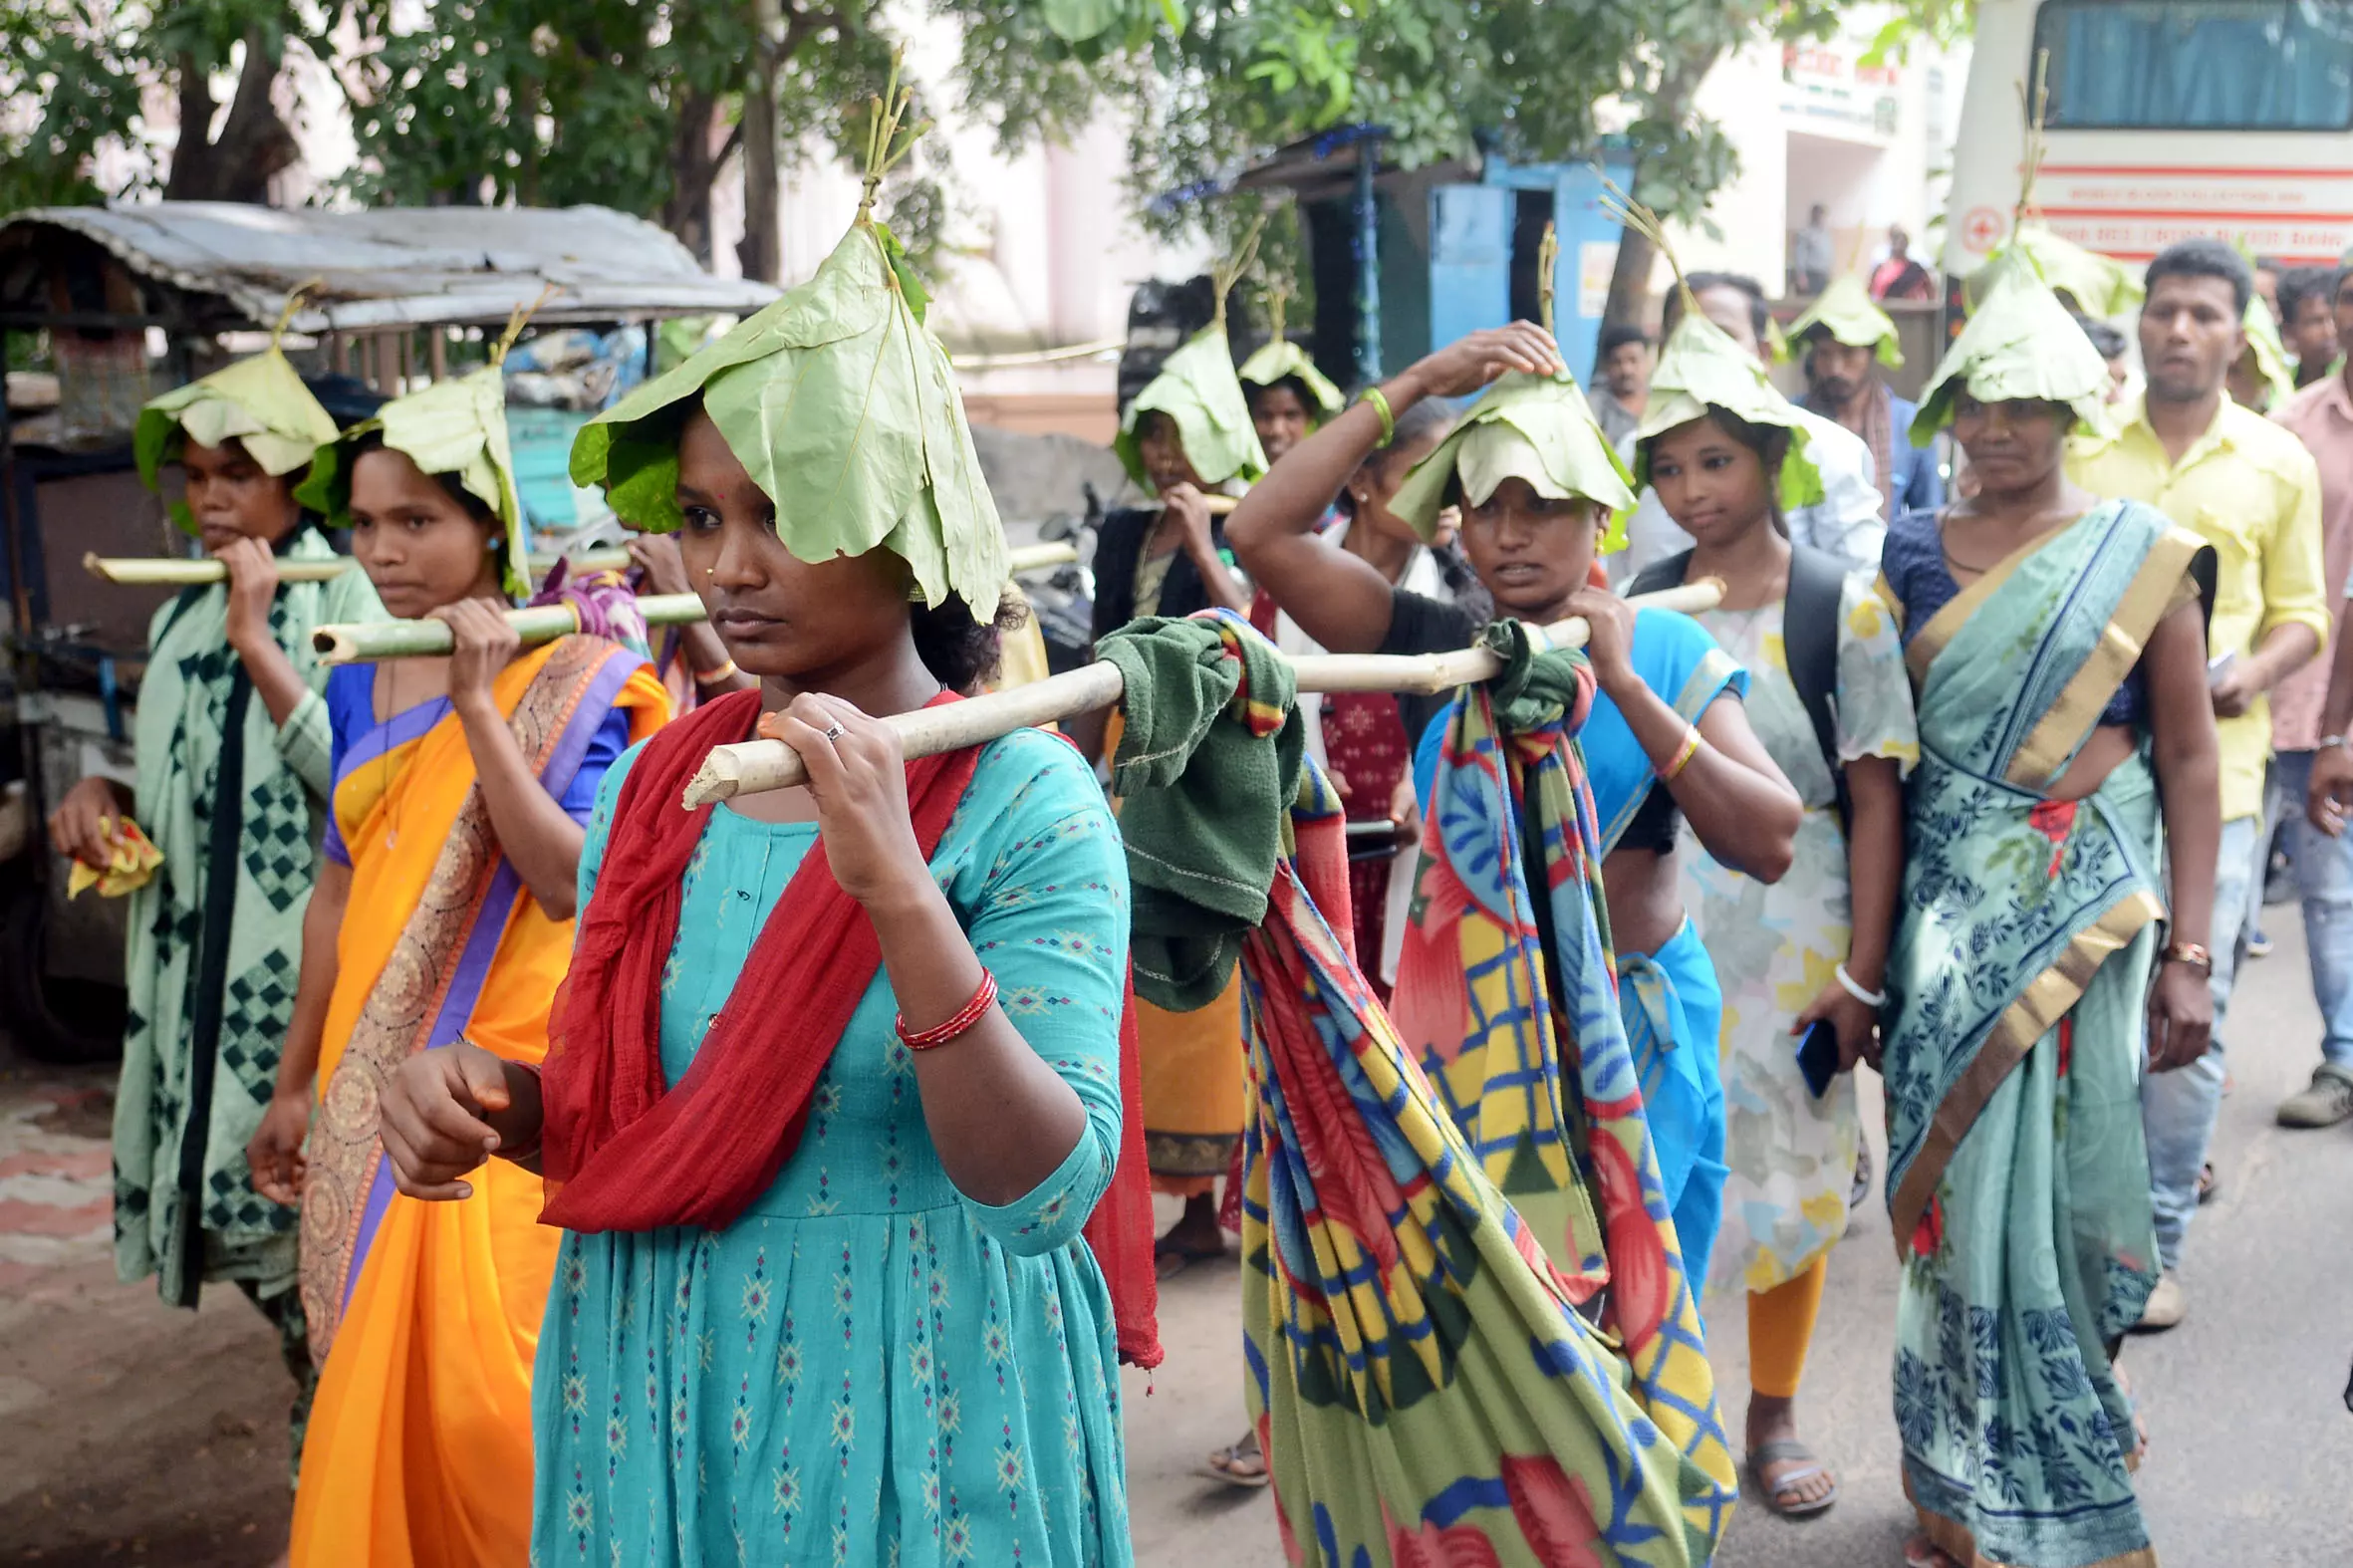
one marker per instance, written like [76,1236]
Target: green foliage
[544,101]
[72,72]
[1229,81]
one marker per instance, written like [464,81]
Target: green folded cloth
[1205,772]
[1538,683]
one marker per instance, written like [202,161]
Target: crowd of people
[769,1182]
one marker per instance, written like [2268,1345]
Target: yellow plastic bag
[134,860]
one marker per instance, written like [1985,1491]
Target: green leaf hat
[1537,428]
[2268,353]
[2020,345]
[1702,367]
[259,402]
[840,403]
[1198,388]
[2100,287]
[1850,315]
[1279,358]
[456,426]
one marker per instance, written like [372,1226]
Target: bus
[2167,120]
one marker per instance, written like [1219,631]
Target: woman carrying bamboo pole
[1668,737]
[229,716]
[444,913]
[1189,430]
[1486,982]
[838,1078]
[1829,703]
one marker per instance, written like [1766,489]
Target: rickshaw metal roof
[225,265]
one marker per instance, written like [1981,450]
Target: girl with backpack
[1829,700]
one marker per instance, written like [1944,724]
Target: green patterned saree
[2017,1177]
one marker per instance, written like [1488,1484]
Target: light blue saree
[2017,1177]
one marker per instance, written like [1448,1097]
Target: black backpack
[1809,641]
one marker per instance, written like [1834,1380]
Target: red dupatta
[625,1151]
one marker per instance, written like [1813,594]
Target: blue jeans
[2325,881]
[2177,1108]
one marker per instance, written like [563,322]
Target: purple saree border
[490,924]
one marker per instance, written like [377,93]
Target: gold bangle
[1683,755]
[712,677]
[1380,403]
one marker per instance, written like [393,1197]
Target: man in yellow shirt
[2249,490]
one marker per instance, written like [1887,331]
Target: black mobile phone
[1817,1056]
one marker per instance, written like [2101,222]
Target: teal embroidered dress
[868,1367]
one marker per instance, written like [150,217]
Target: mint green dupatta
[2018,1176]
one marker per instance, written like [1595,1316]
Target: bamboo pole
[173,570]
[1037,558]
[1214,504]
[364,641]
[751,767]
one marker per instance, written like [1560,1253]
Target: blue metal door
[1469,260]
[1588,252]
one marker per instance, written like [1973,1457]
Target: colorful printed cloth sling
[1420,1379]
[1541,1082]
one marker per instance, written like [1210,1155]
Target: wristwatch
[2331,743]
[2192,954]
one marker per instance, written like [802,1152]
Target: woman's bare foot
[1921,1553]
[1794,1482]
[1194,1237]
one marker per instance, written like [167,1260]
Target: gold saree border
[2156,591]
[2043,1002]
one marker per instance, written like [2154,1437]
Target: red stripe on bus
[2284,261]
[2193,173]
[2291,216]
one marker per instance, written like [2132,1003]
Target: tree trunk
[762,249]
[254,143]
[1630,279]
[253,146]
[694,163]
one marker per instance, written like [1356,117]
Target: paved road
[131,1433]
[2252,1457]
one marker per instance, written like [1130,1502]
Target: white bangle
[1854,989]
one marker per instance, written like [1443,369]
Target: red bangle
[966,1016]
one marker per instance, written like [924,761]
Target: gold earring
[711,570]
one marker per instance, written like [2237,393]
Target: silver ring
[832,731]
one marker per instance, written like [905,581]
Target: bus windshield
[2198,65]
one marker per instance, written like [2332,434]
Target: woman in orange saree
[447,913]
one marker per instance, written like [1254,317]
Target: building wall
[1813,124]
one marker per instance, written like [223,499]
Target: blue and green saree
[2017,1180]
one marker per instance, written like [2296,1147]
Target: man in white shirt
[1809,253]
[1846,522]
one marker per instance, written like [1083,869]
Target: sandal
[1783,1450]
[1239,1463]
[1171,1257]
[1921,1553]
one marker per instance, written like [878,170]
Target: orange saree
[426,1316]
